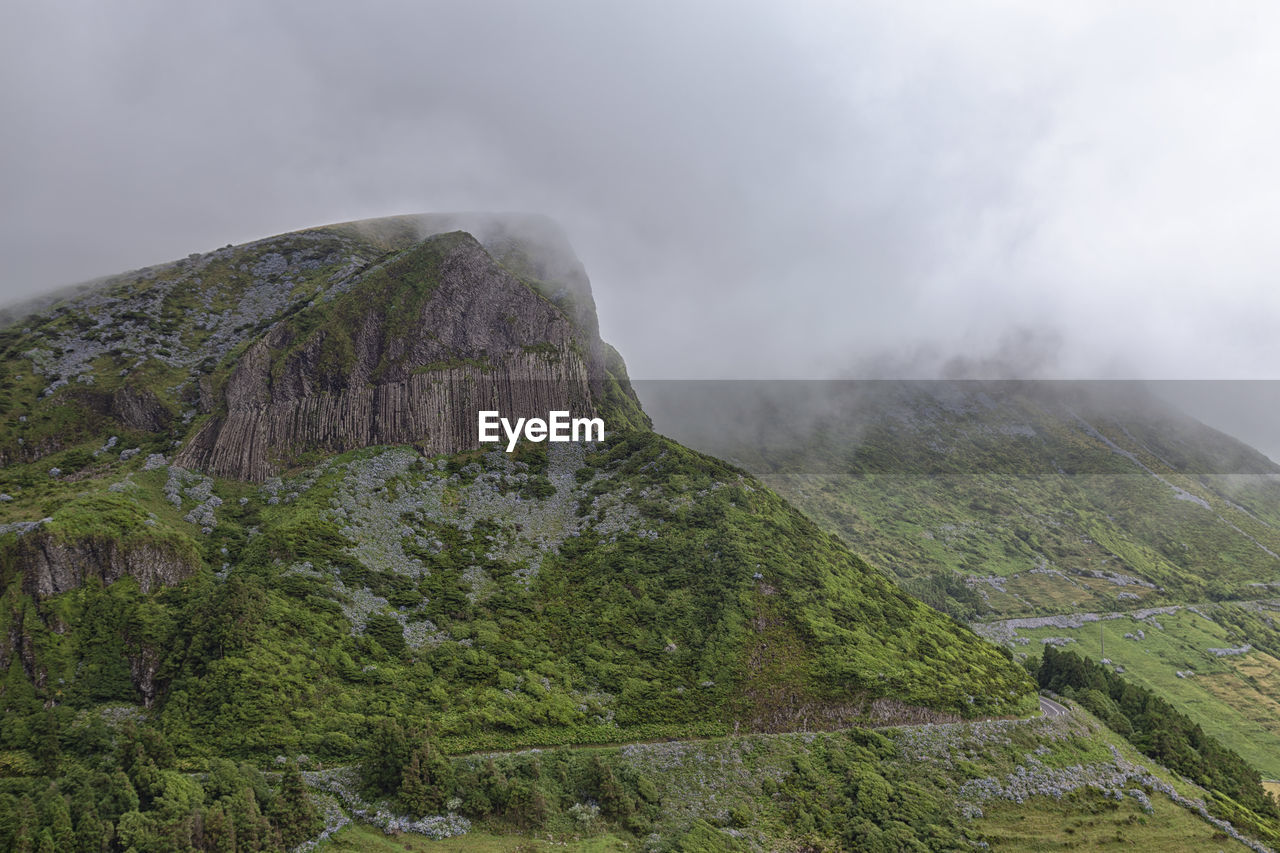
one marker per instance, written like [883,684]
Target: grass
[161,330]
[736,610]
[958,492]
[359,838]
[691,595]
[1236,698]
[986,522]
[788,791]
[1092,822]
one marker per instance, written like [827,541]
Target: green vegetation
[994,502]
[1162,733]
[913,789]
[455,363]
[363,839]
[544,348]
[395,290]
[1092,822]
[735,610]
[175,646]
[124,358]
[989,500]
[856,790]
[120,789]
[108,517]
[1234,697]
[619,401]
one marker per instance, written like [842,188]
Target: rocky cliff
[531,246]
[408,355]
[50,566]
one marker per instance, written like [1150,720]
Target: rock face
[533,246]
[50,566]
[139,409]
[143,665]
[408,355]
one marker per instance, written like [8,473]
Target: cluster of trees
[525,791]
[123,793]
[947,592]
[849,788]
[1165,734]
[619,633]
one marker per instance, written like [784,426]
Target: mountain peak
[324,339]
[408,354]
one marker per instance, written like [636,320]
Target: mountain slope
[245,510]
[1047,497]
[1083,514]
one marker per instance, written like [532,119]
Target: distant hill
[1042,496]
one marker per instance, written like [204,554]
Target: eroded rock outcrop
[531,245]
[50,565]
[139,409]
[408,355]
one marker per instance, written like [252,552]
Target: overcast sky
[1067,189]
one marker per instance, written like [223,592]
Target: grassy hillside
[617,645]
[634,591]
[1041,497]
[1023,508]
[1010,785]
[1213,661]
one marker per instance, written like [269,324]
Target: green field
[1043,824]
[1235,698]
[358,838]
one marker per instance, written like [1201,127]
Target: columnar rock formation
[408,355]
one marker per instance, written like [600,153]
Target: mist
[756,190]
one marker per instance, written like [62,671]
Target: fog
[757,190]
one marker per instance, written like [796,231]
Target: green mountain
[246,525]
[1090,516]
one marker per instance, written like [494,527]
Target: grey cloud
[757,190]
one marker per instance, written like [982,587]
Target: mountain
[1093,516]
[244,515]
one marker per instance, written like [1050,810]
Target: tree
[57,817]
[253,831]
[387,631]
[26,827]
[118,797]
[386,755]
[219,831]
[526,804]
[137,830]
[295,815]
[427,780]
[45,747]
[89,832]
[614,800]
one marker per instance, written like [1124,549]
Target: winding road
[1050,708]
